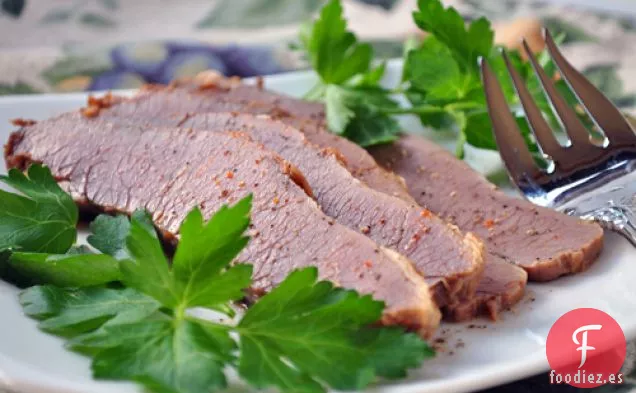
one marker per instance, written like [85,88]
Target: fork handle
[629,232]
[620,219]
[612,205]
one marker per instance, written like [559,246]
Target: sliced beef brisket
[453,262]
[175,102]
[175,105]
[169,171]
[546,243]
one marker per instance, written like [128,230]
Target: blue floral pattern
[161,62]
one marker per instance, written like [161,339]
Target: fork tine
[573,127]
[512,146]
[540,128]
[606,116]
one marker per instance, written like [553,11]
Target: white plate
[474,358]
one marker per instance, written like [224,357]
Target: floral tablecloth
[78,45]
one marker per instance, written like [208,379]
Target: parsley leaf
[43,219]
[278,347]
[447,26]
[333,51]
[108,234]
[80,266]
[371,126]
[130,339]
[164,356]
[65,270]
[71,312]
[371,78]
[474,126]
[37,230]
[197,277]
[349,85]
[337,107]
[433,70]
[357,113]
[205,249]
[391,352]
[147,269]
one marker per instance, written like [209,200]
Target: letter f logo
[583,344]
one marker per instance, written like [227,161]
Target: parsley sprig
[349,83]
[440,80]
[123,303]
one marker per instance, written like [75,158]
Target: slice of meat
[174,105]
[502,286]
[176,101]
[546,243]
[453,262]
[169,171]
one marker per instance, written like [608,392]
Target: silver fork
[595,180]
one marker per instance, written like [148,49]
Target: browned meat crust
[502,286]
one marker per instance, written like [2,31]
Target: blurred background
[78,45]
